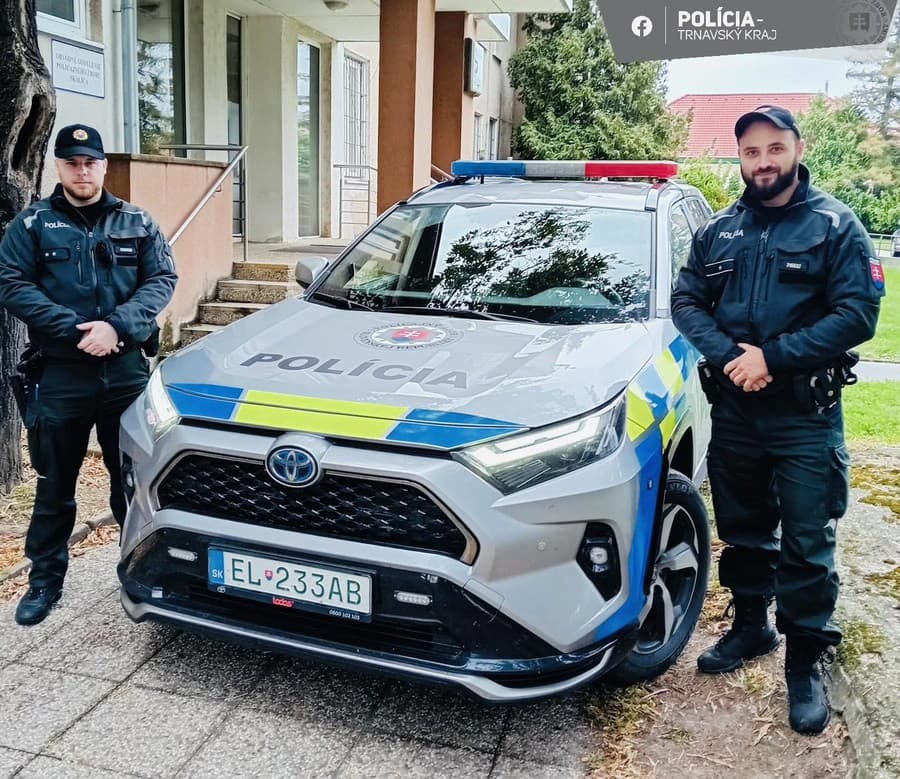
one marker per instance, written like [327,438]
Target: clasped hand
[749,371]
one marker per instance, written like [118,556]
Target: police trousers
[69,398]
[779,480]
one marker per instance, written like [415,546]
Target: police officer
[87,273]
[777,288]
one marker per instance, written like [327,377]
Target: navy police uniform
[803,283]
[61,266]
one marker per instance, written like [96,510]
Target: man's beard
[773,190]
[78,194]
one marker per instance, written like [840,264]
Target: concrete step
[219,313]
[237,291]
[263,271]
[196,331]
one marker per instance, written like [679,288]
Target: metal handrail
[216,185]
[444,176]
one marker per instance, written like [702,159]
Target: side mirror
[309,269]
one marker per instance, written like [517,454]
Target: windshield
[550,264]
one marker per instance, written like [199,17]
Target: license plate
[291,585]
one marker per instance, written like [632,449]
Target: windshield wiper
[462,313]
[338,302]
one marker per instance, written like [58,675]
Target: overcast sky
[759,73]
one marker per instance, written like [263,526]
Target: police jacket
[801,282]
[56,271]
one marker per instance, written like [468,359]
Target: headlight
[529,458]
[158,409]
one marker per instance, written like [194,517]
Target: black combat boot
[750,635]
[36,604]
[807,696]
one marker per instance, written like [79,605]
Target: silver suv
[467,454]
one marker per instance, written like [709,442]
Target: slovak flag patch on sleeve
[877,272]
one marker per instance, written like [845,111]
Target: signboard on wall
[475,55]
[77,69]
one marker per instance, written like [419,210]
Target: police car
[466,454]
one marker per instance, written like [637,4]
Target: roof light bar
[566,169]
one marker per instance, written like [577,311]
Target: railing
[238,194]
[438,175]
[882,242]
[357,188]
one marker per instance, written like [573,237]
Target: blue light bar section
[511,168]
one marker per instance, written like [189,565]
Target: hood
[296,363]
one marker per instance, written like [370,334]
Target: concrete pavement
[878,371]
[89,694]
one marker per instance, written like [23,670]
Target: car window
[699,211]
[680,236]
[553,264]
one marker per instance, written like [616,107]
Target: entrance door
[308,138]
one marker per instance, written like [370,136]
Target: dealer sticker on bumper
[291,585]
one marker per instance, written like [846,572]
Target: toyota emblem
[292,466]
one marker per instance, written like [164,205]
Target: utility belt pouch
[26,377]
[845,366]
[708,382]
[818,389]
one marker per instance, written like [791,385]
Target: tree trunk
[27,111]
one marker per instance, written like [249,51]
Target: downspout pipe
[130,77]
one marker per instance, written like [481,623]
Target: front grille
[338,506]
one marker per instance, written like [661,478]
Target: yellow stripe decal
[638,412]
[667,427]
[326,405]
[322,422]
[670,373]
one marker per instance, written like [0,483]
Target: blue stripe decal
[655,392]
[445,436]
[680,351]
[189,405]
[455,418]
[649,453]
[210,390]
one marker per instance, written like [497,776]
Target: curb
[82,531]
[868,757]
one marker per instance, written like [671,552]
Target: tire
[685,522]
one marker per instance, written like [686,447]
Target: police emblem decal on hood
[415,336]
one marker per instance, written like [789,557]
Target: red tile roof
[712,129]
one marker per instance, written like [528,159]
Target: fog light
[182,554]
[598,557]
[412,598]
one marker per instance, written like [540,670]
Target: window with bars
[356,116]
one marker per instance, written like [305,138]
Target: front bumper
[459,640]
[524,617]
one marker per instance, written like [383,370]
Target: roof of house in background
[712,130]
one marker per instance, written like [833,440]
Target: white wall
[105,114]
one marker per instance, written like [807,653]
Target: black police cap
[78,139]
[774,114]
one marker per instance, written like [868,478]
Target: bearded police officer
[87,273]
[778,287]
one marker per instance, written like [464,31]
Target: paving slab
[12,760]
[103,643]
[43,767]
[441,715]
[306,690]
[552,732]
[38,705]
[139,731]
[258,743]
[203,667]
[386,756]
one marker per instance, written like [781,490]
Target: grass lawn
[872,412]
[886,343]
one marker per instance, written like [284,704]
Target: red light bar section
[662,169]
